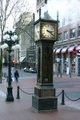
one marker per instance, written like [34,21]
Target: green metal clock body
[45,63]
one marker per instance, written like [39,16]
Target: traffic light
[13,63]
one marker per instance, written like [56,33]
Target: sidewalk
[21,109]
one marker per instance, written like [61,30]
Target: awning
[21,59]
[64,50]
[78,47]
[71,49]
[58,50]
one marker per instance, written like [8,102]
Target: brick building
[66,49]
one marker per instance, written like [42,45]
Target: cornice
[67,43]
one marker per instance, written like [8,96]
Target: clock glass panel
[37,31]
[48,30]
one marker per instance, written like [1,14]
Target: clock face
[48,30]
[37,31]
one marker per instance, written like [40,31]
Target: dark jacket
[16,73]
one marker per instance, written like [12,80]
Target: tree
[25,24]
[25,28]
[10,8]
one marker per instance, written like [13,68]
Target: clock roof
[45,20]
[47,16]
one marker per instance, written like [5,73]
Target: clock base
[44,99]
[44,104]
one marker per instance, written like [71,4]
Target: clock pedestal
[44,92]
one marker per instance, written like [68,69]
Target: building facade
[66,56]
[66,49]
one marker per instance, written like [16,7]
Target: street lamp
[9,40]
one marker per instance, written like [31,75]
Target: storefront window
[78,31]
[65,35]
[73,61]
[72,33]
[60,37]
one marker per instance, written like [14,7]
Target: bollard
[70,75]
[63,103]
[18,96]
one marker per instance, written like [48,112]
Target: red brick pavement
[21,109]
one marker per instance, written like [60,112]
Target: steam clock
[45,34]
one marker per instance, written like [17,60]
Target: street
[21,73]
[71,86]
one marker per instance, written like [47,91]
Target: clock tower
[45,34]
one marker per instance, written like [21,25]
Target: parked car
[32,70]
[26,69]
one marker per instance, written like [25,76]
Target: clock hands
[50,31]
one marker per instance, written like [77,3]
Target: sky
[66,8]
[32,4]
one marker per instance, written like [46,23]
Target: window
[65,35]
[59,36]
[78,31]
[72,33]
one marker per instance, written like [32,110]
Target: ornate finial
[57,16]
[40,13]
[33,17]
[45,1]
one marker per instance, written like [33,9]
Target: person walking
[12,74]
[16,75]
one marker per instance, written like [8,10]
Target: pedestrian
[16,75]
[12,74]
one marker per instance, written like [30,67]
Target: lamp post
[9,39]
